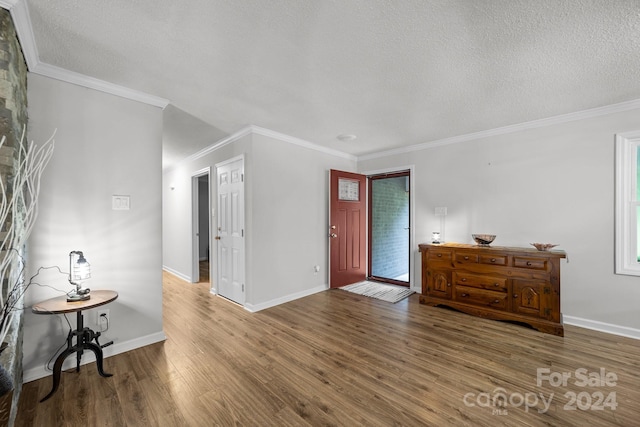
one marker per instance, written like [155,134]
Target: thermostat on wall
[120,203]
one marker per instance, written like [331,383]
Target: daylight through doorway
[389,228]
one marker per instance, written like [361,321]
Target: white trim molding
[627,204]
[89,357]
[287,298]
[213,147]
[72,77]
[251,129]
[177,273]
[608,328]
[301,142]
[8,4]
[24,28]
[555,120]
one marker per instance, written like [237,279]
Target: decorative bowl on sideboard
[483,239]
[543,246]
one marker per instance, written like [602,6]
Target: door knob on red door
[333,235]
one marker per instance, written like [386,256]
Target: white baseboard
[609,328]
[272,303]
[88,356]
[177,274]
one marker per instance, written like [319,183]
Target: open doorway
[201,206]
[389,227]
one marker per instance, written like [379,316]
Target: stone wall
[13,119]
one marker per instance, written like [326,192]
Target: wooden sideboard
[501,283]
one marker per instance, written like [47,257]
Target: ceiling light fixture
[346,137]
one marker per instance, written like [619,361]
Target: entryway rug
[389,293]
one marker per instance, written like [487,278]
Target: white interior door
[230,232]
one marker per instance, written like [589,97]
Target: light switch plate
[441,211]
[120,203]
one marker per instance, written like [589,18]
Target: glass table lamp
[79,269]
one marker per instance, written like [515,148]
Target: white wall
[290,219]
[286,192]
[553,184]
[105,145]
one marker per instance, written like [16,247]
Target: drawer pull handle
[464,295]
[496,301]
[466,258]
[515,295]
[529,263]
[464,279]
[493,260]
[449,284]
[439,255]
[496,284]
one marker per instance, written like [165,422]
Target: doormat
[389,293]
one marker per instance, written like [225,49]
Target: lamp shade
[80,267]
[79,270]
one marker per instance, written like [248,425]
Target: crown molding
[22,22]
[301,142]
[24,28]
[215,146]
[555,120]
[252,129]
[72,77]
[8,4]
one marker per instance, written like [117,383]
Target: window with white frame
[628,203]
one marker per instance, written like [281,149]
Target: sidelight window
[628,203]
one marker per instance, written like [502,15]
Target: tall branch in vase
[18,212]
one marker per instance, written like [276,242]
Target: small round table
[84,336]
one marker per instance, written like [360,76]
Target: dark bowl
[483,239]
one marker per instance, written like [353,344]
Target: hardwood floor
[204,272]
[336,358]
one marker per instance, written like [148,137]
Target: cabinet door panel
[529,298]
[439,283]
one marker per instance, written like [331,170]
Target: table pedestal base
[84,337]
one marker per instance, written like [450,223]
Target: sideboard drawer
[493,259]
[532,263]
[481,297]
[437,255]
[466,258]
[498,284]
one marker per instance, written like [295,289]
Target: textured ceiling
[393,72]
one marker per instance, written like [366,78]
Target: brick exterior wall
[390,217]
[13,118]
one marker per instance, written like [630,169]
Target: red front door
[347,232]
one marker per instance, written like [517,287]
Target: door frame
[412,229]
[370,179]
[195,216]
